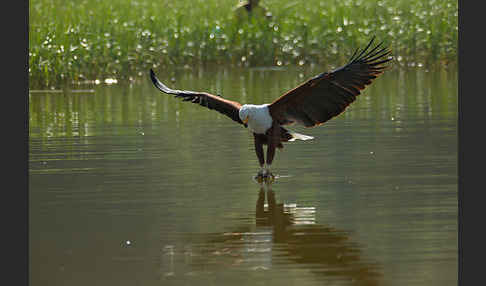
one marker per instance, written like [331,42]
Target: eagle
[310,104]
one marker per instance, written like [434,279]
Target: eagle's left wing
[328,94]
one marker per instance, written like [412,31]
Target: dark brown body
[273,138]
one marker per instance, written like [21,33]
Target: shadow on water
[285,237]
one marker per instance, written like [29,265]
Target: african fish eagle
[312,103]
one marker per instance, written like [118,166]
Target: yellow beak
[246,120]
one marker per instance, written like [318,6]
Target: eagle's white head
[256,116]
[244,113]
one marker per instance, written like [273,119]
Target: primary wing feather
[224,106]
[328,94]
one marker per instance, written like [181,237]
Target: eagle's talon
[270,178]
[261,173]
[264,175]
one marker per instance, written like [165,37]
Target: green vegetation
[92,39]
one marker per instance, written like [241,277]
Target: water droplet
[111,80]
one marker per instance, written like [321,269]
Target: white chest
[259,119]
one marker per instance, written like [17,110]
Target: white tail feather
[299,136]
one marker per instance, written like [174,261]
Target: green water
[128,186]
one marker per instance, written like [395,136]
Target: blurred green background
[80,40]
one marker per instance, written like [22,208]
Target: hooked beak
[246,120]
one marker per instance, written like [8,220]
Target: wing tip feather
[370,57]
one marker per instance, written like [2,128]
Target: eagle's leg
[273,141]
[259,152]
[270,155]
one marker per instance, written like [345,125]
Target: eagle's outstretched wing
[328,94]
[224,106]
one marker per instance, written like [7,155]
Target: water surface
[128,186]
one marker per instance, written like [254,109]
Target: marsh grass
[80,40]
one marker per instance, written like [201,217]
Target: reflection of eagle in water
[285,237]
[310,104]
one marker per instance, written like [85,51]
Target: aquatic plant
[89,40]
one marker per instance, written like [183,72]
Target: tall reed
[82,40]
